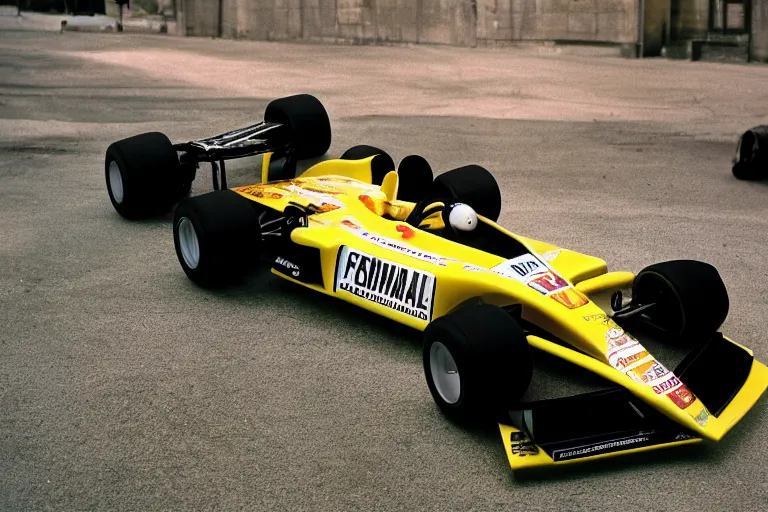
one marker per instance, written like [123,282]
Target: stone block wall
[455,22]
[759,41]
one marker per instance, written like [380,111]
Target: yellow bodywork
[351,213]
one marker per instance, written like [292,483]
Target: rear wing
[263,138]
[256,139]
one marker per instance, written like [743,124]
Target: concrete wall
[201,17]
[689,19]
[612,21]
[457,22]
[759,42]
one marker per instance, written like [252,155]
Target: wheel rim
[116,182]
[188,243]
[445,374]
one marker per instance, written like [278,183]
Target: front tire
[477,363]
[691,301]
[217,237]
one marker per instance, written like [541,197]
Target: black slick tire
[492,360]
[144,176]
[751,159]
[307,120]
[224,241]
[690,296]
[415,177]
[380,165]
[472,185]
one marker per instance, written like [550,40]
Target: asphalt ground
[125,387]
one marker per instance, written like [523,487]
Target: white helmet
[462,217]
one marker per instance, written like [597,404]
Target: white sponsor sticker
[398,287]
[294,268]
[352,225]
[530,270]
[551,255]
[521,268]
[323,199]
[475,268]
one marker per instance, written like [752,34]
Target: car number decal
[392,285]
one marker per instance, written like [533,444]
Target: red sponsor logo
[682,397]
[547,283]
[405,231]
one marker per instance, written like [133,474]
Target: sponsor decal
[521,445]
[647,370]
[405,231]
[624,362]
[533,272]
[684,437]
[291,267]
[682,397]
[627,355]
[590,450]
[550,255]
[702,418]
[343,182]
[667,385]
[521,268]
[602,318]
[654,372]
[324,199]
[294,188]
[547,283]
[400,288]
[618,339]
[570,298]
[475,268]
[353,226]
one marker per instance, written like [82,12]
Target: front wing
[723,375]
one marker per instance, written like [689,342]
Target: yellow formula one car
[426,252]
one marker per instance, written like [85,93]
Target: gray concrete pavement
[124,387]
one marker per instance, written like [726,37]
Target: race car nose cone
[463,218]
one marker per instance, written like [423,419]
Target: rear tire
[307,120]
[217,237]
[477,363]
[380,165]
[472,185]
[144,176]
[691,299]
[416,177]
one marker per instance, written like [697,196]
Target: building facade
[634,27]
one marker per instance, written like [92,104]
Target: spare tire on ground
[751,159]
